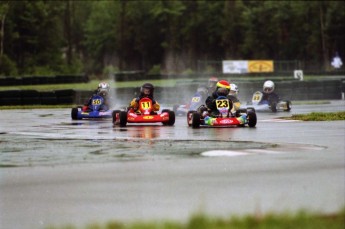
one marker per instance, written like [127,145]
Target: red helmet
[223,88]
[223,84]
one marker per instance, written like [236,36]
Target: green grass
[300,220]
[319,116]
[311,102]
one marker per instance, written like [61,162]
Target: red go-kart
[144,114]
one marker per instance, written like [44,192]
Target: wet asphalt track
[56,171]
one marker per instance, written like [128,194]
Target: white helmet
[103,88]
[268,86]
[233,89]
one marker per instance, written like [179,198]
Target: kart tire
[74,113]
[288,105]
[123,118]
[190,117]
[171,121]
[113,114]
[165,110]
[196,120]
[251,116]
[273,107]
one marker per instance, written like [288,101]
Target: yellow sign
[260,66]
[148,117]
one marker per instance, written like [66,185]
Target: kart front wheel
[114,114]
[74,113]
[251,116]
[189,117]
[196,120]
[123,118]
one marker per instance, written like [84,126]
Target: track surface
[56,171]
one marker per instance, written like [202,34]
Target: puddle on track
[50,151]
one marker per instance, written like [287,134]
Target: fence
[291,90]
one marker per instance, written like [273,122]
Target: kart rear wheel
[251,116]
[171,121]
[123,118]
[196,120]
[274,107]
[288,105]
[115,112]
[74,113]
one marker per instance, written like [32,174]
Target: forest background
[162,37]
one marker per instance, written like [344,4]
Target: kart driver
[206,90]
[268,93]
[233,96]
[222,89]
[102,90]
[146,91]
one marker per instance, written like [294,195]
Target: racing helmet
[223,88]
[103,88]
[147,89]
[212,82]
[233,89]
[268,86]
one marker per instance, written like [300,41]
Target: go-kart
[259,104]
[144,114]
[224,116]
[96,110]
[196,101]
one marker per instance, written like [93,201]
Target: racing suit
[211,104]
[272,98]
[105,105]
[135,103]
[236,103]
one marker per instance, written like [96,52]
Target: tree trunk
[323,40]
[2,34]
[68,33]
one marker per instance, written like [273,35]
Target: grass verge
[300,220]
[318,116]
